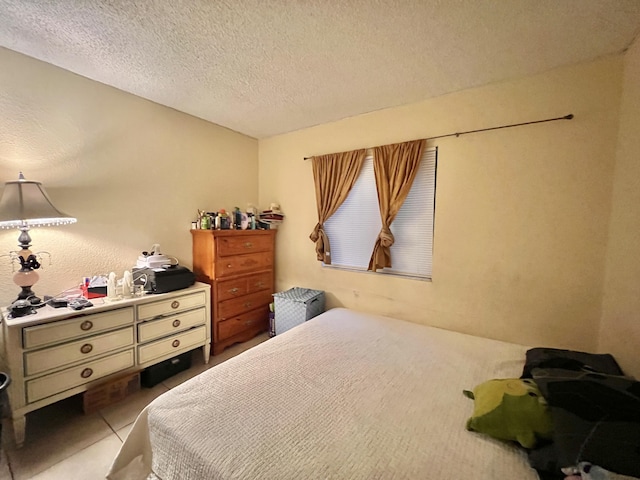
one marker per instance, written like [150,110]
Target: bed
[346,395]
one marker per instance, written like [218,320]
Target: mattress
[346,395]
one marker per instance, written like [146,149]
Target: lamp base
[20,308]
[30,296]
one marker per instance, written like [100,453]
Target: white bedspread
[344,396]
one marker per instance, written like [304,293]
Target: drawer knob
[247,304]
[175,304]
[229,265]
[248,245]
[175,343]
[86,373]
[176,323]
[86,348]
[233,290]
[248,322]
[260,284]
[86,325]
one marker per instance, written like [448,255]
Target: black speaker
[154,374]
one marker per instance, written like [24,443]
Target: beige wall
[620,327]
[133,172]
[520,235]
[521,214]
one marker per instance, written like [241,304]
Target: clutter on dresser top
[154,272]
[251,219]
[159,273]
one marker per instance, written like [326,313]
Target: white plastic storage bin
[296,306]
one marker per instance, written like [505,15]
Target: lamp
[25,204]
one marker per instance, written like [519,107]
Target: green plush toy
[510,409]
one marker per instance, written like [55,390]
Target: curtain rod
[457,134]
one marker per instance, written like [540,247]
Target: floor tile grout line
[110,427]
[74,454]
[3,450]
[8,465]
[69,456]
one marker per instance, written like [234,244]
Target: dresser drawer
[241,244]
[244,304]
[229,328]
[259,282]
[174,344]
[253,262]
[56,332]
[67,353]
[237,287]
[171,305]
[73,377]
[233,288]
[175,323]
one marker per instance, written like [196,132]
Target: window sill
[408,276]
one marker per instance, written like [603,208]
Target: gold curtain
[395,167]
[333,175]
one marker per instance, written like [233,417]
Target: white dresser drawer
[56,332]
[174,344]
[67,353]
[72,377]
[175,323]
[171,305]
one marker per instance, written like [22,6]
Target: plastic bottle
[237,218]
[127,284]
[224,219]
[111,286]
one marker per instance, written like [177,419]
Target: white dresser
[58,352]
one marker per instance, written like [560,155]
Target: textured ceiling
[265,67]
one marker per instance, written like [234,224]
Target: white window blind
[353,229]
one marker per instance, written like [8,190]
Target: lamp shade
[26,203]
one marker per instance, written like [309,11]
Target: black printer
[163,279]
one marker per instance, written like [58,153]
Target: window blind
[353,229]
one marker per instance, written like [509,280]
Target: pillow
[569,360]
[510,409]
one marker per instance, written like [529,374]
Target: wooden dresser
[239,266]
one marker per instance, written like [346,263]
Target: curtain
[333,175]
[395,168]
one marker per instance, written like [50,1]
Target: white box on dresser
[56,353]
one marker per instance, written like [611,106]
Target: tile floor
[63,443]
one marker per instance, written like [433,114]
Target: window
[353,229]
